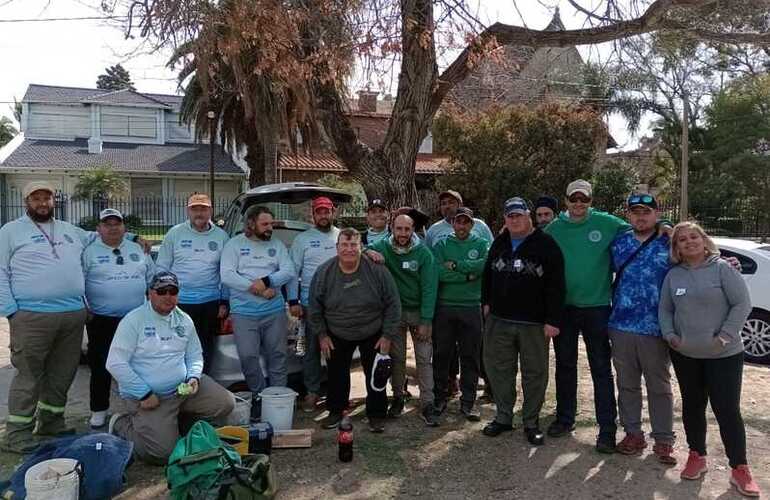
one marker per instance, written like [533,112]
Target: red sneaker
[632,444]
[742,480]
[695,467]
[664,453]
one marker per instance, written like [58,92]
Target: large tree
[7,130]
[115,78]
[289,48]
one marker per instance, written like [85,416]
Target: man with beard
[41,294]
[377,220]
[449,201]
[192,251]
[546,208]
[255,268]
[309,250]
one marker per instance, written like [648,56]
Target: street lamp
[212,132]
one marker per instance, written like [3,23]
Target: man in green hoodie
[413,268]
[460,260]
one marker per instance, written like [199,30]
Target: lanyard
[49,238]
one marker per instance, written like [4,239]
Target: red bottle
[345,440]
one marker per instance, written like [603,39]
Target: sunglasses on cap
[579,198]
[640,199]
[167,290]
[119,260]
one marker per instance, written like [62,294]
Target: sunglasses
[642,198]
[579,198]
[168,290]
[119,260]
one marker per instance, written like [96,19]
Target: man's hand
[550,331]
[150,403]
[268,293]
[144,244]
[734,263]
[296,310]
[450,264]
[675,342]
[257,287]
[424,333]
[194,386]
[222,313]
[327,346]
[485,310]
[666,229]
[383,345]
[375,257]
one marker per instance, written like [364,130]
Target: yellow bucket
[237,437]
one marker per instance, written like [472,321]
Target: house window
[128,126]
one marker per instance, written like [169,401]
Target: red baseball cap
[322,202]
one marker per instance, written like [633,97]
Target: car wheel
[756,337]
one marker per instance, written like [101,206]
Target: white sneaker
[98,419]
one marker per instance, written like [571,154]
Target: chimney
[367,101]
[94,146]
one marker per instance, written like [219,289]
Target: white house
[66,130]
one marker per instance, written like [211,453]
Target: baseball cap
[516,205]
[322,202]
[453,194]
[38,186]
[199,200]
[377,203]
[110,212]
[464,211]
[579,186]
[548,202]
[642,200]
[164,279]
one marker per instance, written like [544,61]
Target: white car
[755,262]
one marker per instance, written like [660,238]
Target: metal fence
[737,219]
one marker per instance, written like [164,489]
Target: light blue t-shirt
[373,237]
[515,242]
[112,289]
[194,257]
[154,353]
[309,250]
[442,229]
[244,261]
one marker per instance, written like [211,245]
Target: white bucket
[278,407]
[57,478]
[241,412]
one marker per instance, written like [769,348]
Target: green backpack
[202,467]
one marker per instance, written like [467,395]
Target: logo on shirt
[351,284]
[271,252]
[149,331]
[102,259]
[473,254]
[315,244]
[185,243]
[213,246]
[69,239]
[37,238]
[180,331]
[245,251]
[595,236]
[134,257]
[412,265]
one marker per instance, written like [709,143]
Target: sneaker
[471,414]
[376,425]
[396,407]
[632,444]
[428,415]
[664,452]
[605,443]
[98,419]
[309,402]
[331,421]
[558,429]
[113,419]
[743,482]
[534,436]
[695,467]
[439,408]
[494,428]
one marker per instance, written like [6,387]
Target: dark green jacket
[461,286]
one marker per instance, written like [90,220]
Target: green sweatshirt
[415,274]
[586,249]
[461,286]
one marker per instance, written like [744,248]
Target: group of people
[642,294]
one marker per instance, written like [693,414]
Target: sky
[75,53]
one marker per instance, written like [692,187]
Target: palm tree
[7,131]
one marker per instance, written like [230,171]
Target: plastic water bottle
[300,343]
[345,440]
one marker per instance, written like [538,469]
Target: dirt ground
[455,461]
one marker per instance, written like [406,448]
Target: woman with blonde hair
[704,303]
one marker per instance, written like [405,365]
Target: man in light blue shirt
[117,272]
[254,268]
[192,250]
[449,202]
[157,362]
[377,220]
[309,250]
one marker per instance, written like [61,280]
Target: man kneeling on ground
[157,361]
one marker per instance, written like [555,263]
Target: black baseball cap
[164,279]
[464,211]
[376,203]
[642,200]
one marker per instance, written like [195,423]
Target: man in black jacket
[523,299]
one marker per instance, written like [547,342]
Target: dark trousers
[206,322]
[101,330]
[456,330]
[592,323]
[715,381]
[338,368]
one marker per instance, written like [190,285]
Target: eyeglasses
[168,290]
[579,198]
[641,198]
[119,260]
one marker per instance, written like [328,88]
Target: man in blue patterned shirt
[637,346]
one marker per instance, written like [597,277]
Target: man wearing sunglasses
[584,236]
[157,362]
[117,272]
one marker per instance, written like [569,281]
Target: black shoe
[471,414]
[558,429]
[396,407]
[439,408]
[495,428]
[605,443]
[376,425]
[534,436]
[429,416]
[331,421]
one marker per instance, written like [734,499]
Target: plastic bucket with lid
[58,478]
[278,407]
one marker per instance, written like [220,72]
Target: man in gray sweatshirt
[354,303]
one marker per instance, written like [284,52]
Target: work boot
[19,438]
[52,424]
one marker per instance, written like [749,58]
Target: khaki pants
[45,350]
[423,352]
[155,432]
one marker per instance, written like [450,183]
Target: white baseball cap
[38,186]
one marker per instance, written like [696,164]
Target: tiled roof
[126,96]
[328,162]
[75,95]
[74,155]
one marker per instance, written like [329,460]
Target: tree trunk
[255,155]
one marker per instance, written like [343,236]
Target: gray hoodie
[699,304]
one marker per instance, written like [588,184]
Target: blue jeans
[263,336]
[592,323]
